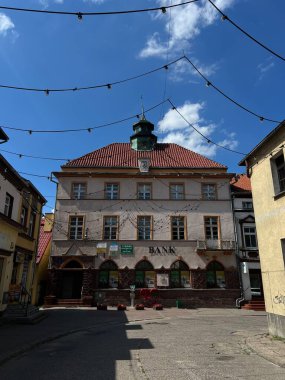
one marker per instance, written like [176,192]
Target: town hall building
[149,214]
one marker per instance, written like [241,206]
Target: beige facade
[20,213]
[267,172]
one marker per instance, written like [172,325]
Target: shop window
[144,227]
[144,275]
[79,190]
[179,275]
[249,235]
[144,191]
[177,191]
[111,191]
[209,191]
[212,227]
[8,208]
[108,275]
[178,227]
[215,275]
[76,227]
[110,228]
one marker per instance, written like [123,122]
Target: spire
[143,114]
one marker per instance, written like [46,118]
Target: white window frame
[249,234]
[144,224]
[278,181]
[177,191]
[112,190]
[110,228]
[76,227]
[178,228]
[209,191]
[212,224]
[8,207]
[79,190]
[144,191]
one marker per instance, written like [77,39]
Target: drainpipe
[241,298]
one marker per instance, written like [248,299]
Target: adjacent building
[146,214]
[20,212]
[266,168]
[246,238]
[42,259]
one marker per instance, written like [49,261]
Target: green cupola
[143,139]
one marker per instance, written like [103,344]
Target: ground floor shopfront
[199,277]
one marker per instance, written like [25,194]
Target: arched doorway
[215,275]
[179,275]
[108,275]
[71,280]
[144,275]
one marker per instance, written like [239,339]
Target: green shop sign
[127,249]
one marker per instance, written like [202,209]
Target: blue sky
[57,51]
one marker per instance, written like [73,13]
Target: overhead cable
[209,141]
[108,85]
[211,84]
[226,18]
[90,129]
[80,15]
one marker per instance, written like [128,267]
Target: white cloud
[264,67]
[183,26]
[176,130]
[6,24]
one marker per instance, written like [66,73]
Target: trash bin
[179,304]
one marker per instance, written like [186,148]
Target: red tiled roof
[44,239]
[163,156]
[241,182]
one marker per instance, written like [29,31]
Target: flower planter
[121,307]
[139,306]
[158,306]
[101,306]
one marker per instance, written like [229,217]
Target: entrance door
[71,284]
[255,283]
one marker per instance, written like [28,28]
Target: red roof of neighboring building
[241,182]
[163,156]
[44,239]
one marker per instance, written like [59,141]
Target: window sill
[279,195]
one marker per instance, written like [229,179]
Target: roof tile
[163,156]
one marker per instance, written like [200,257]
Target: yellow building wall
[270,224]
[7,242]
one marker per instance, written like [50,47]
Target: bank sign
[162,251]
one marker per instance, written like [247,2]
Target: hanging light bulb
[166,67]
[30,132]
[89,130]
[47,92]
[224,17]
[109,86]
[79,16]
[261,118]
[163,9]
[208,84]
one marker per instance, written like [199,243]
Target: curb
[264,346]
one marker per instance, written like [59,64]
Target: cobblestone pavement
[198,344]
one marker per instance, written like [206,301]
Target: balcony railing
[223,245]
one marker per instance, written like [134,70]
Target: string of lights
[90,129]
[80,15]
[209,141]
[224,17]
[20,155]
[211,84]
[109,85]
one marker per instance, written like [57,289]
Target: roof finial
[143,115]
